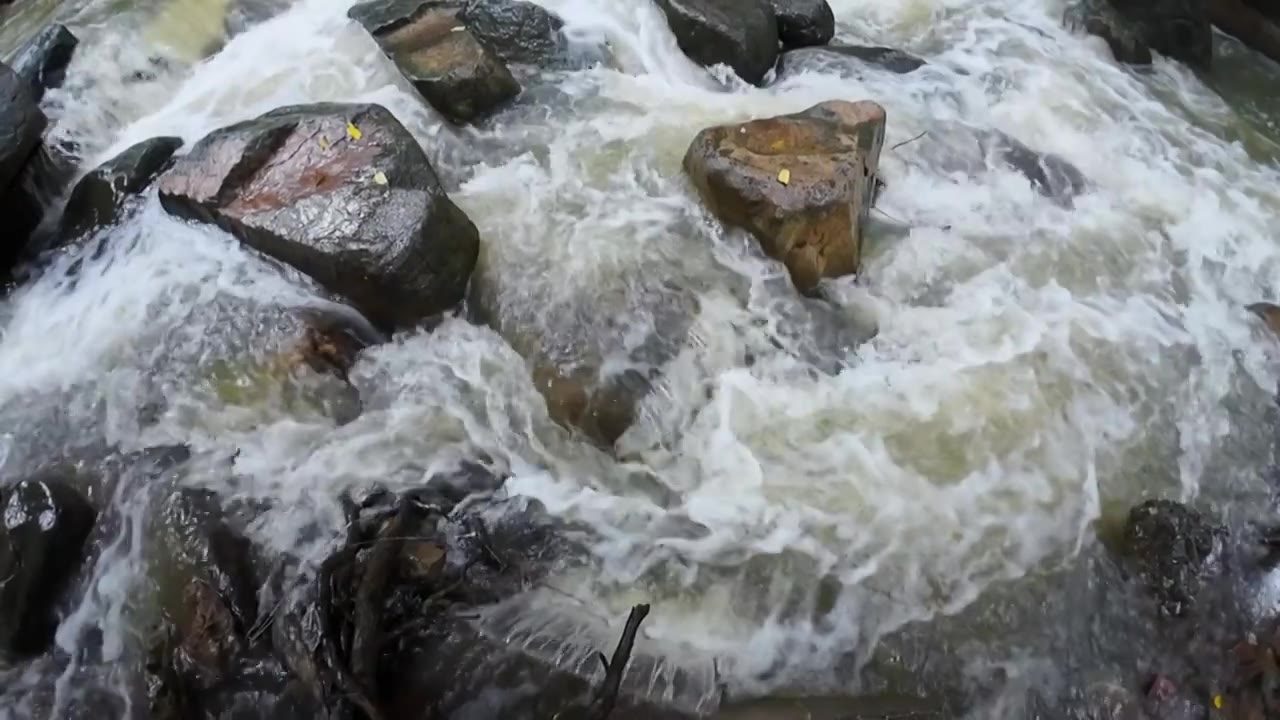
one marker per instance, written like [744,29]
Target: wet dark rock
[516,31]
[198,550]
[802,23]
[344,194]
[802,184]
[742,34]
[99,198]
[45,524]
[31,197]
[1179,29]
[1171,546]
[448,65]
[21,124]
[869,707]
[819,58]
[1099,18]
[1050,175]
[44,59]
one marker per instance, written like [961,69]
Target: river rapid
[898,488]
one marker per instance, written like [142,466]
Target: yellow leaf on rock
[784,176]
[380,178]
[354,132]
[1217,701]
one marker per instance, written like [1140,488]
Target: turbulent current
[899,487]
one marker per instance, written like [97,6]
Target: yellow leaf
[354,132]
[784,176]
[1217,701]
[380,178]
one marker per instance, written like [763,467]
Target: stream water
[915,513]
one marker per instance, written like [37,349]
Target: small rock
[742,34]
[297,184]
[812,223]
[1270,314]
[516,31]
[1161,689]
[1171,545]
[889,59]
[1050,175]
[45,525]
[802,23]
[44,59]
[207,632]
[447,64]
[99,199]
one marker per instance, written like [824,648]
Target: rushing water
[791,503]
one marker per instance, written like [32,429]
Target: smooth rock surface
[447,64]
[742,34]
[44,59]
[342,193]
[802,183]
[99,198]
[802,23]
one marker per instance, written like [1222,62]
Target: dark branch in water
[908,142]
[607,697]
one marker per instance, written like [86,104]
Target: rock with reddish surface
[802,183]
[344,194]
[446,62]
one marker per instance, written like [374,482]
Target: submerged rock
[344,194]
[962,149]
[802,183]
[1171,546]
[45,525]
[802,23]
[447,64]
[44,59]
[821,58]
[195,545]
[742,34]
[99,198]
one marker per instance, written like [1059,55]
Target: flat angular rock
[447,64]
[742,34]
[45,523]
[344,194]
[802,183]
[803,23]
[44,59]
[99,198]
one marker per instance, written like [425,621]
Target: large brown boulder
[742,34]
[802,183]
[448,65]
[344,194]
